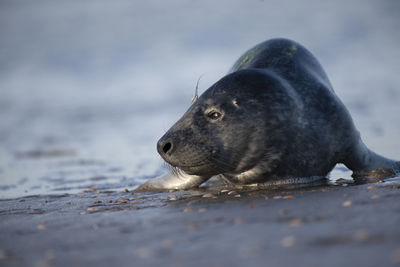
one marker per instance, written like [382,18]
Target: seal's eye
[214,115]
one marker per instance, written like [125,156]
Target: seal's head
[231,129]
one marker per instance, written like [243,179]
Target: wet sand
[354,225]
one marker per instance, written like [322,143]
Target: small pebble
[375,196]
[168,243]
[347,203]
[208,195]
[372,187]
[187,210]
[288,241]
[144,253]
[3,255]
[231,192]
[172,197]
[296,222]
[361,235]
[202,210]
[396,255]
[224,190]
[277,197]
[137,202]
[41,226]
[288,197]
[92,209]
[282,212]
[237,195]
[125,190]
[238,221]
[193,228]
[82,212]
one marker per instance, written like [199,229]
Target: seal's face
[224,131]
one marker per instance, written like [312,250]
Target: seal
[273,118]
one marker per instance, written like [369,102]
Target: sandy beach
[355,225]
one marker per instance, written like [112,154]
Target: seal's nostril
[167,147]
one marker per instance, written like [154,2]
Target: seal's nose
[167,147]
[164,147]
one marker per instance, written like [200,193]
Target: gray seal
[273,118]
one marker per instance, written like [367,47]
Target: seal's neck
[361,160]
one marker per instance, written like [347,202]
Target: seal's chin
[203,170]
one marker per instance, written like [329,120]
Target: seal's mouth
[210,167]
[205,168]
[201,169]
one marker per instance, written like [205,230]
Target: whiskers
[196,92]
[174,170]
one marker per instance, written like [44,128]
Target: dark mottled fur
[280,118]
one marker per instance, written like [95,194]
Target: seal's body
[273,117]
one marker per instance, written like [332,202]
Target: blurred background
[88,87]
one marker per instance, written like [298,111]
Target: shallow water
[86,89]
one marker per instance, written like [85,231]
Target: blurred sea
[88,87]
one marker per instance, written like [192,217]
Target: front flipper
[173,180]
